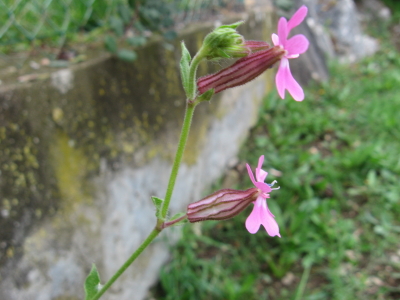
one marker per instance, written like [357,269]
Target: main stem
[190,106]
[178,156]
[130,260]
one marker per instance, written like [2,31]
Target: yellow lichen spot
[91,124]
[20,181]
[38,213]
[159,119]
[14,126]
[58,115]
[128,148]
[10,252]
[2,133]
[70,166]
[14,201]
[6,204]
[126,91]
[102,92]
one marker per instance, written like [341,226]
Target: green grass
[338,207]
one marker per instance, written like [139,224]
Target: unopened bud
[242,71]
[221,205]
[224,42]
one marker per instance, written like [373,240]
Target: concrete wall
[82,150]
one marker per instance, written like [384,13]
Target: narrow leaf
[92,283]
[110,43]
[184,64]
[158,202]
[207,95]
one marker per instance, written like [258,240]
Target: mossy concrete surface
[84,148]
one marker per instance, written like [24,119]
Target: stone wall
[82,150]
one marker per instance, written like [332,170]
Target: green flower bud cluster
[224,42]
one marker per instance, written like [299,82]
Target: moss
[70,167]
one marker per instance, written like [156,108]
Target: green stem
[130,260]
[178,156]
[303,282]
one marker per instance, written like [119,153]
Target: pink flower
[294,47]
[261,214]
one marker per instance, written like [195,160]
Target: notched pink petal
[268,221]
[282,31]
[265,188]
[261,175]
[297,17]
[297,44]
[293,87]
[280,78]
[250,174]
[260,162]
[253,221]
[275,39]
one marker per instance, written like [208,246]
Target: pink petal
[260,162]
[284,80]
[280,78]
[251,174]
[253,221]
[261,215]
[260,173]
[275,39]
[297,18]
[269,223]
[282,31]
[297,45]
[265,188]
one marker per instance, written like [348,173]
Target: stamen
[272,183]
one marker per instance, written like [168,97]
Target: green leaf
[184,64]
[117,25]
[136,40]
[92,283]
[124,12]
[127,55]
[158,202]
[206,96]
[110,43]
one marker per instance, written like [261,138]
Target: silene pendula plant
[254,57]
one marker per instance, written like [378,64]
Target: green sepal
[158,203]
[185,68]
[177,216]
[232,26]
[206,96]
[92,283]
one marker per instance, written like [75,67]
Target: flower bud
[224,42]
[242,71]
[221,205]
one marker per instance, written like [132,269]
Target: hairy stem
[130,260]
[178,157]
